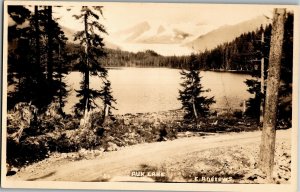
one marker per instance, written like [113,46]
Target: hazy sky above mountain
[120,16]
[194,19]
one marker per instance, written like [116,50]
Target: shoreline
[242,72]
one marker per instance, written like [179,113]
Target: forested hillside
[242,54]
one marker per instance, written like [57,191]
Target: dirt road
[168,155]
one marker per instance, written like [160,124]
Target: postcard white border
[155,186]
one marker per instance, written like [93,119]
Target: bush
[63,134]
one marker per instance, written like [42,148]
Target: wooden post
[262,84]
[267,146]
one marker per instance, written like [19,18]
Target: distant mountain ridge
[226,33]
[145,35]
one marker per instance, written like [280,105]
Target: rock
[156,124]
[252,177]
[260,180]
[98,152]
[64,155]
[83,152]
[15,169]
[257,176]
[126,122]
[287,154]
[111,147]
[188,134]
[101,149]
[11,170]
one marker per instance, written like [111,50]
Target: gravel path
[197,154]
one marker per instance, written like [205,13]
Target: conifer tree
[17,36]
[57,59]
[61,58]
[49,30]
[108,100]
[194,103]
[31,58]
[89,63]
[285,91]
[25,59]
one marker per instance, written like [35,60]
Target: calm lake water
[140,90]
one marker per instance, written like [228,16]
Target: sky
[195,19]
[120,16]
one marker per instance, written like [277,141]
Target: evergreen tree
[49,30]
[108,100]
[57,59]
[24,59]
[254,84]
[16,37]
[31,58]
[193,102]
[285,91]
[90,60]
[61,59]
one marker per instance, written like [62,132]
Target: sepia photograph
[156,96]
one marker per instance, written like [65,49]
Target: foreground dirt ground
[232,156]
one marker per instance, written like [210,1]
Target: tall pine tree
[191,96]
[57,59]
[89,64]
[24,62]
[37,58]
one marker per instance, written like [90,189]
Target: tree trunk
[50,46]
[267,146]
[59,70]
[105,113]
[86,75]
[194,109]
[262,84]
[37,36]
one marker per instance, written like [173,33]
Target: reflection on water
[140,90]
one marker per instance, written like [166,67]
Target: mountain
[69,33]
[160,29]
[174,39]
[132,33]
[144,33]
[226,33]
[167,36]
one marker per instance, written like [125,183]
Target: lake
[140,90]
